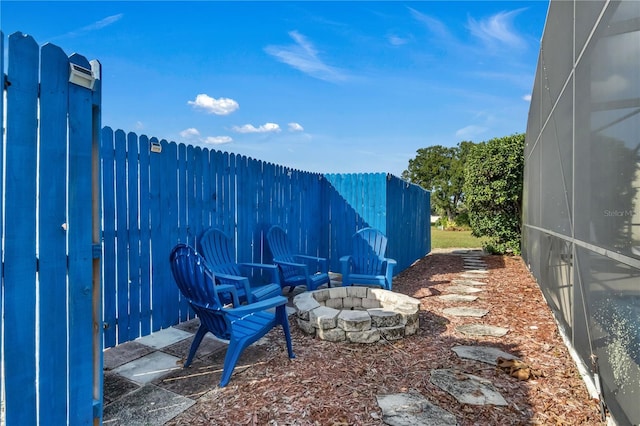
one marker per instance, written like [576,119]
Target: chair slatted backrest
[281,250]
[197,284]
[279,244]
[369,248]
[218,249]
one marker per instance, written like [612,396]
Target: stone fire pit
[356,314]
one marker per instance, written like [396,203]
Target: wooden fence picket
[145,236]
[133,234]
[109,258]
[52,244]
[158,257]
[122,268]
[20,231]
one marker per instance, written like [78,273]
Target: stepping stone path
[484,354]
[472,275]
[466,312]
[468,282]
[463,289]
[482,330]
[467,388]
[457,298]
[412,408]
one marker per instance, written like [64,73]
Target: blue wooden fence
[86,205]
[159,193]
[51,309]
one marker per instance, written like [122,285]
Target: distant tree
[493,190]
[441,170]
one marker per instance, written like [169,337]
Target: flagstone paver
[479,266]
[463,289]
[410,409]
[467,388]
[475,265]
[475,269]
[468,282]
[482,330]
[472,275]
[466,312]
[149,405]
[457,298]
[486,354]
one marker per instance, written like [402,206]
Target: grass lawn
[448,239]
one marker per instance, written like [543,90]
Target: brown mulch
[337,383]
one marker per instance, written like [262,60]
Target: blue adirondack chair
[241,326]
[297,269]
[217,249]
[367,264]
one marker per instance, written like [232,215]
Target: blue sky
[329,87]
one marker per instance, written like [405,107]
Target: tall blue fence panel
[156,194]
[51,305]
[408,222]
[385,202]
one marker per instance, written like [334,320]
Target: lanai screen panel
[581,218]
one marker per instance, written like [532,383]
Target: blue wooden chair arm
[257,306]
[345,264]
[308,260]
[389,264]
[296,268]
[367,264]
[228,288]
[303,266]
[292,268]
[272,269]
[242,285]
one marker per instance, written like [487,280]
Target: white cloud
[295,127]
[217,140]
[303,56]
[221,106]
[436,27]
[395,40]
[98,25]
[497,28]
[194,134]
[527,97]
[470,131]
[250,128]
[190,133]
[139,125]
[104,22]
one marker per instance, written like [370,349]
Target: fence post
[96,237]
[84,280]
